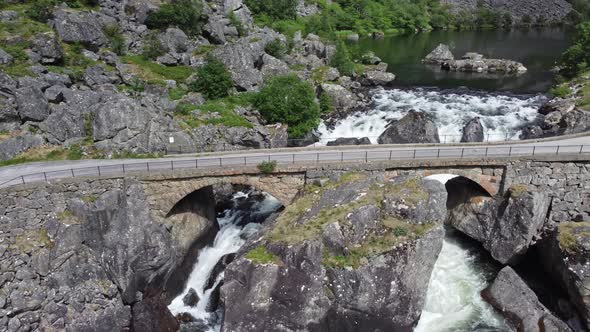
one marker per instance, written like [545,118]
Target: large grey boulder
[332,261]
[349,141]
[64,123]
[152,315]
[11,147]
[98,75]
[272,66]
[220,138]
[415,127]
[473,131]
[32,105]
[73,26]
[377,78]
[5,58]
[343,99]
[47,47]
[566,257]
[509,294]
[559,122]
[9,119]
[507,227]
[442,53]
[174,40]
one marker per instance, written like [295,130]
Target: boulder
[557,123]
[64,123]
[214,30]
[73,26]
[152,315]
[558,105]
[174,40]
[5,58]
[509,294]
[343,99]
[9,119]
[32,105]
[566,258]
[415,127]
[377,78]
[8,16]
[317,287]
[221,138]
[507,227]
[491,66]
[98,75]
[473,131]
[47,47]
[309,139]
[350,141]
[12,147]
[442,53]
[191,298]
[272,66]
[472,56]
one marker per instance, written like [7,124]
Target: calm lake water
[537,49]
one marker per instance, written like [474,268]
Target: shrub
[213,79]
[267,167]
[41,10]
[577,57]
[275,9]
[233,20]
[118,44]
[276,48]
[326,105]
[400,231]
[527,20]
[185,14]
[342,60]
[287,99]
[152,46]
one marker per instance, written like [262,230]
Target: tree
[577,57]
[288,99]
[213,79]
[342,60]
[184,14]
[276,9]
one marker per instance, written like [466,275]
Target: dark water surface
[537,49]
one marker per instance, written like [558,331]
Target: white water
[228,240]
[453,300]
[502,115]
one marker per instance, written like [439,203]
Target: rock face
[506,227]
[566,255]
[491,66]
[473,131]
[220,138]
[558,117]
[415,127]
[319,279]
[350,141]
[342,99]
[152,315]
[510,294]
[5,58]
[79,27]
[549,10]
[11,147]
[442,53]
[48,48]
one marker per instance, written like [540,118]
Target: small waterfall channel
[236,224]
[453,300]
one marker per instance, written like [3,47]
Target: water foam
[502,116]
[228,240]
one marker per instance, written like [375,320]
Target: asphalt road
[41,171]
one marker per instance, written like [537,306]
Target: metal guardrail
[323,141]
[366,156]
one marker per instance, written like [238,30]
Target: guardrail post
[534,148]
[462,152]
[45,176]
[72,170]
[390,152]
[147,165]
[196,163]
[414,153]
[245,163]
[98,168]
[317,158]
[342,156]
[123,168]
[366,156]
[22,178]
[438,154]
[557,152]
[293,157]
[445,139]
[172,164]
[510,152]
[487,152]
[581,148]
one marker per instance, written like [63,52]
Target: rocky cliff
[547,10]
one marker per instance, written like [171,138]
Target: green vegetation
[152,72]
[31,240]
[273,9]
[233,20]
[288,99]
[276,48]
[326,104]
[518,190]
[260,255]
[342,60]
[222,108]
[213,79]
[184,14]
[89,199]
[45,153]
[267,167]
[152,47]
[567,233]
[577,58]
[177,93]
[561,91]
[116,39]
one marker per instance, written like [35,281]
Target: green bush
[274,9]
[400,231]
[326,104]
[233,20]
[577,58]
[288,99]
[184,14]
[276,48]
[213,79]
[561,91]
[342,60]
[152,47]
[267,167]
[41,10]
[116,39]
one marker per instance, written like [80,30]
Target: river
[504,103]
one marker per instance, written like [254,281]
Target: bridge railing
[452,153]
[323,141]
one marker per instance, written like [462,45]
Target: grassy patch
[134,155]
[89,199]
[42,153]
[67,218]
[153,72]
[177,93]
[518,190]
[567,233]
[30,240]
[561,91]
[260,255]
[223,108]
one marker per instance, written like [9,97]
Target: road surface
[41,171]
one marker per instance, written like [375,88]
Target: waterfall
[453,300]
[231,236]
[502,116]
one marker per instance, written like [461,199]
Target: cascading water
[453,300]
[236,225]
[502,115]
